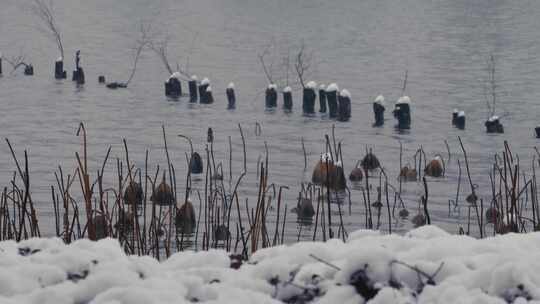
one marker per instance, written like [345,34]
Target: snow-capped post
[454,116]
[344,107]
[537,130]
[101,79]
[287,99]
[173,86]
[460,120]
[493,125]
[378,111]
[192,85]
[202,90]
[78,73]
[331,98]
[28,70]
[271,96]
[59,72]
[208,97]
[322,98]
[402,112]
[309,97]
[231,96]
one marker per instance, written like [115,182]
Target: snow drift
[427,265]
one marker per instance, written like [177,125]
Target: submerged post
[287,99]
[202,90]
[378,111]
[28,70]
[59,72]
[208,97]
[192,85]
[537,130]
[231,97]
[173,86]
[402,112]
[322,98]
[460,120]
[0,64]
[308,98]
[331,98]
[344,107]
[493,125]
[78,73]
[271,96]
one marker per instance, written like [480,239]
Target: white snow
[194,77]
[287,90]
[456,111]
[311,85]
[493,118]
[461,269]
[175,75]
[272,86]
[345,93]
[322,87]
[332,88]
[461,114]
[59,59]
[326,157]
[209,89]
[205,81]
[380,100]
[404,100]
[231,85]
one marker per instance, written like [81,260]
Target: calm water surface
[364,46]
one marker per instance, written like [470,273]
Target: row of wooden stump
[336,103]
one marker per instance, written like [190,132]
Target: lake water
[364,46]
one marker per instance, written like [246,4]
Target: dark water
[364,46]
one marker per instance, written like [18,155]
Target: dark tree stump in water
[402,112]
[271,97]
[537,130]
[231,97]
[173,87]
[493,125]
[331,98]
[28,70]
[460,120]
[192,85]
[322,100]
[59,72]
[308,100]
[344,107]
[287,99]
[101,79]
[78,76]
[116,85]
[378,111]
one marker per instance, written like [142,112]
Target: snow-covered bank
[427,265]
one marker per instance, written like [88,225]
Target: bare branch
[303,63]
[44,10]
[142,42]
[267,69]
